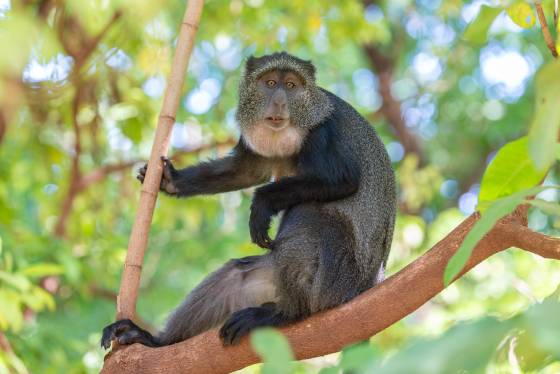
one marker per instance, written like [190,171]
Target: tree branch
[359,319]
[5,345]
[99,174]
[391,107]
[3,125]
[75,172]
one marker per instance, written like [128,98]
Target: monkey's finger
[262,240]
[143,169]
[265,241]
[167,172]
[142,173]
[166,162]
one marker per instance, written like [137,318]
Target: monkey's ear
[251,64]
[309,68]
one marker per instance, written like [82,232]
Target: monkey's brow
[283,71]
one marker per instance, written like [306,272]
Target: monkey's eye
[290,84]
[270,83]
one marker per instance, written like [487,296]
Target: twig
[546,32]
[3,125]
[5,345]
[102,172]
[556,14]
[75,173]
[391,107]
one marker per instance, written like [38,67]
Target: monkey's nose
[280,106]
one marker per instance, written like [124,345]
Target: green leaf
[447,353]
[543,133]
[10,311]
[274,350]
[538,335]
[38,300]
[357,358]
[132,129]
[510,171]
[522,14]
[495,211]
[546,206]
[330,370]
[17,281]
[41,270]
[477,30]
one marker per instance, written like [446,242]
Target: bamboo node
[133,266]
[192,25]
[167,116]
[148,192]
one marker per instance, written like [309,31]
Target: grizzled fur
[338,199]
[306,112]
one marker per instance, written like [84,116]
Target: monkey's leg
[315,269]
[240,283]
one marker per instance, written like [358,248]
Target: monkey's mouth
[276,122]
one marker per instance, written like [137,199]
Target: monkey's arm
[327,171]
[241,169]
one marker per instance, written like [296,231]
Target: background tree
[80,90]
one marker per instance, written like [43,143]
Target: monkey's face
[273,133]
[279,89]
[279,103]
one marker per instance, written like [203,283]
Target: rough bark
[361,318]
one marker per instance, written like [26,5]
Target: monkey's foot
[243,321]
[126,332]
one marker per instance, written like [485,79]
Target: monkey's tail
[239,284]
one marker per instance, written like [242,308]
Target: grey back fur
[372,209]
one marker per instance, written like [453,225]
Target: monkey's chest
[269,143]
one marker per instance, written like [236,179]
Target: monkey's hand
[259,222]
[169,174]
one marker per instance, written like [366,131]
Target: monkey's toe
[126,332]
[113,331]
[232,331]
[243,321]
[131,337]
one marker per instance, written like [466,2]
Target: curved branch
[359,319]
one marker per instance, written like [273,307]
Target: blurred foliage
[81,84]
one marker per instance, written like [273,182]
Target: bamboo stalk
[130,281]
